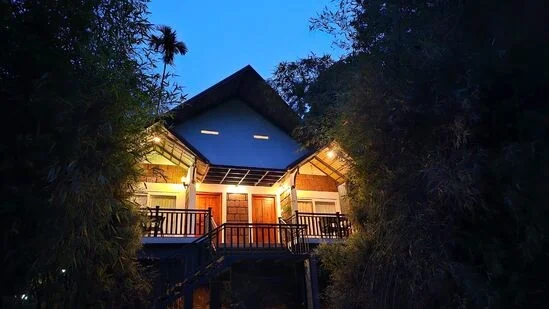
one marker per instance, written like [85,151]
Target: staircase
[230,243]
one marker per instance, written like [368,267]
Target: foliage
[293,80]
[168,45]
[76,88]
[442,106]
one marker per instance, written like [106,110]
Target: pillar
[192,188]
[311,282]
[293,192]
[215,294]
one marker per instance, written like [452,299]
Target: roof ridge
[218,84]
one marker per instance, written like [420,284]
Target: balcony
[322,227]
[173,225]
[187,225]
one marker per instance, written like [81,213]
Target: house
[228,189]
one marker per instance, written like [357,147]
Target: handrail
[323,225]
[175,221]
[320,214]
[256,236]
[187,210]
[326,225]
[207,235]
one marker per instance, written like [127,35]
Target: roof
[247,85]
[330,159]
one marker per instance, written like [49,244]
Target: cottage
[228,189]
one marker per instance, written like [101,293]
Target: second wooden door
[264,211]
[209,200]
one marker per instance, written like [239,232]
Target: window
[316,206]
[151,200]
[305,206]
[140,199]
[164,201]
[325,207]
[209,132]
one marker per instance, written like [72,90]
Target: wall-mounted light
[184,182]
[156,139]
[331,154]
[209,132]
[261,136]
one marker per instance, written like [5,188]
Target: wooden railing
[177,222]
[322,225]
[254,237]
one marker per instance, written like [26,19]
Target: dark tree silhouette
[167,44]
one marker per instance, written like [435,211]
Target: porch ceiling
[169,146]
[227,175]
[332,161]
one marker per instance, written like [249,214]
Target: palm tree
[168,45]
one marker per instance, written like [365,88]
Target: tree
[169,46]
[441,104]
[78,94]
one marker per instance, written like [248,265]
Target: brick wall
[162,173]
[315,183]
[237,211]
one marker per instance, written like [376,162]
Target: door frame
[263,195]
[220,196]
[273,196]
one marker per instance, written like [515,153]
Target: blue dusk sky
[224,36]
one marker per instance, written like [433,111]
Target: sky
[224,36]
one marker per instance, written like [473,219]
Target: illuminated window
[164,201]
[317,206]
[261,137]
[209,132]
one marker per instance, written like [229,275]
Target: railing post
[338,225]
[156,218]
[209,219]
[297,217]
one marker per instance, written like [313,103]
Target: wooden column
[192,188]
[188,298]
[215,294]
[311,282]
[293,192]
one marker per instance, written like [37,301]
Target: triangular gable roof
[247,85]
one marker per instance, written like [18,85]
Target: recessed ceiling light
[209,132]
[261,137]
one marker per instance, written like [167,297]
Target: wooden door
[205,201]
[264,211]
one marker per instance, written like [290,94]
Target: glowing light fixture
[63,271]
[156,139]
[261,137]
[331,154]
[184,182]
[209,132]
